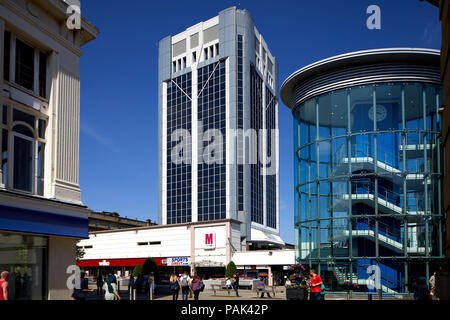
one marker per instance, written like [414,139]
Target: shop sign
[210,240]
[179,261]
[103,263]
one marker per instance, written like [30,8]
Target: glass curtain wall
[367,165]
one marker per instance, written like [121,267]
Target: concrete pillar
[61,255]
[269,276]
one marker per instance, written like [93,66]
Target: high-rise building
[368,168]
[217,95]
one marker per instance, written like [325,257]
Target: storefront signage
[103,263]
[180,261]
[210,240]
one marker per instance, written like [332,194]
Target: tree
[231,270]
[79,253]
[137,272]
[150,266]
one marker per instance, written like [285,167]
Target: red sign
[119,262]
[210,240]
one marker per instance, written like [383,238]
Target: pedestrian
[322,292]
[111,288]
[4,286]
[81,291]
[316,285]
[174,287]
[263,289]
[229,284]
[432,283]
[287,282]
[184,284]
[99,283]
[131,283]
[151,282]
[196,287]
[421,291]
[236,284]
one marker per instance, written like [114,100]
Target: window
[7,55]
[29,65]
[24,65]
[42,74]
[194,57]
[23,151]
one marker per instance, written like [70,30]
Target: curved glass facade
[367,175]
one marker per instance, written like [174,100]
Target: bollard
[134,294]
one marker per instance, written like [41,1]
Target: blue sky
[119,107]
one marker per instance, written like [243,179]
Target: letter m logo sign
[210,240]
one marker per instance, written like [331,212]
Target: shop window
[25,257]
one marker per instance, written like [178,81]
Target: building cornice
[56,7]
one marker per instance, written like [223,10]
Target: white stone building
[41,212]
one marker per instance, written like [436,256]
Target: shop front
[25,258]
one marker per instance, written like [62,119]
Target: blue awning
[46,223]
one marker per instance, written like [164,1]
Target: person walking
[421,291]
[4,286]
[236,284]
[432,283]
[174,287]
[151,284]
[263,289]
[111,288]
[316,285]
[196,287]
[99,283]
[131,283]
[184,284]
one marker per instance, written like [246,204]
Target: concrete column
[192,249]
[269,276]
[61,255]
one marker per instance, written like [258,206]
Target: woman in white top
[110,287]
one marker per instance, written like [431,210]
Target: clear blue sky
[119,107]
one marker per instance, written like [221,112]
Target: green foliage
[137,272]
[79,254]
[231,270]
[150,266]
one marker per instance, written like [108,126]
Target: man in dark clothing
[236,284]
[99,284]
[81,292]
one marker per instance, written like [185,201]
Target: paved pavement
[280,294]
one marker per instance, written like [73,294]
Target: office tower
[217,94]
